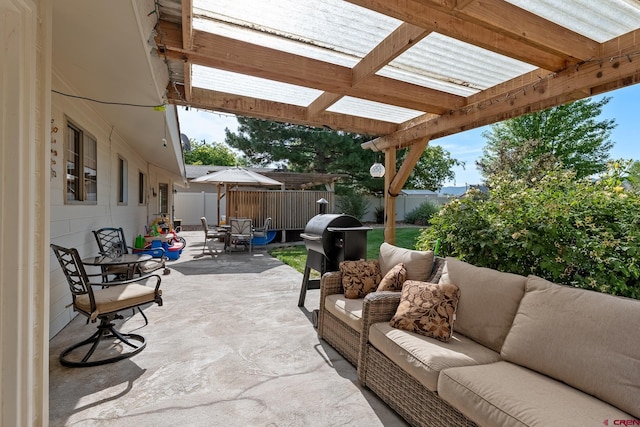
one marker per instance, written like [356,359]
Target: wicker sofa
[524,352]
[340,318]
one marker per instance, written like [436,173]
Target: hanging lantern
[377,170]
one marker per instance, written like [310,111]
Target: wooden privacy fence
[289,209]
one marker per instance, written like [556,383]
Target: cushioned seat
[347,310]
[423,358]
[505,394]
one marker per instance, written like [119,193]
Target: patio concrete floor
[230,347]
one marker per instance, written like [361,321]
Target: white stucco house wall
[81,147]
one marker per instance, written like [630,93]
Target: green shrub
[352,203]
[572,232]
[379,214]
[422,214]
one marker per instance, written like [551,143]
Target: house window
[142,185]
[123,181]
[164,198]
[82,166]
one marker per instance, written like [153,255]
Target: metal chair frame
[212,234]
[112,239]
[241,232]
[80,285]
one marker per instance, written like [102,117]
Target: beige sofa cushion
[418,263]
[423,358]
[346,309]
[488,301]
[504,394]
[587,339]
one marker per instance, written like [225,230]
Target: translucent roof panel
[600,20]
[447,64]
[373,110]
[327,30]
[255,87]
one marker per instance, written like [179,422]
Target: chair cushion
[346,309]
[394,279]
[116,298]
[423,358]
[418,263]
[359,277]
[427,309]
[587,339]
[488,301]
[504,394]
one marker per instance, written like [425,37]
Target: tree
[633,176]
[304,149]
[433,169]
[216,153]
[569,133]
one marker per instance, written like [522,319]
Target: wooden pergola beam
[260,108]
[430,18]
[531,92]
[233,55]
[187,43]
[505,18]
[405,36]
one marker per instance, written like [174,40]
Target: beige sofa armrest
[377,307]
[330,284]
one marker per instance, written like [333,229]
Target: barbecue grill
[330,239]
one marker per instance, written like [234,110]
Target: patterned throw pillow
[394,279]
[427,309]
[359,277]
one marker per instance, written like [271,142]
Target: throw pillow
[427,309]
[394,279]
[359,277]
[418,263]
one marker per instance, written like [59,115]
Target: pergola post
[389,199]
[393,182]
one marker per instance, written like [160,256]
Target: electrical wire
[126,104]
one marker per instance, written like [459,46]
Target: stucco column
[25,84]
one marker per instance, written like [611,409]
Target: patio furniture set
[444,342]
[121,284]
[240,231]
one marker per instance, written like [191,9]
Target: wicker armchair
[403,393]
[340,335]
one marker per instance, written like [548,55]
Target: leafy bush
[352,203]
[422,214]
[572,232]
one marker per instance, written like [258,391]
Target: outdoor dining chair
[263,232]
[211,234]
[104,303]
[111,241]
[241,232]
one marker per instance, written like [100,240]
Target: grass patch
[296,256]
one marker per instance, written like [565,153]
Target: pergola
[407,71]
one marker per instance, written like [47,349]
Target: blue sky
[466,146]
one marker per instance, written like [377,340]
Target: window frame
[123,181]
[142,188]
[84,144]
